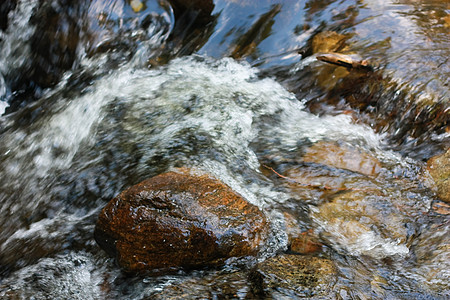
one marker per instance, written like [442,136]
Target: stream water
[73,138]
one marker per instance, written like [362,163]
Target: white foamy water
[15,42]
[3,106]
[71,276]
[357,239]
[3,95]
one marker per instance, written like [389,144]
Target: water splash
[71,276]
[195,112]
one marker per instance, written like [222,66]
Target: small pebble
[136,5]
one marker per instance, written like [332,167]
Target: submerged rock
[300,240]
[293,276]
[432,252]
[212,286]
[293,228]
[329,41]
[354,222]
[177,219]
[306,243]
[439,169]
[343,157]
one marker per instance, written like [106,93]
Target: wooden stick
[324,187]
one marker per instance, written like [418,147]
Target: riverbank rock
[293,276]
[439,169]
[179,220]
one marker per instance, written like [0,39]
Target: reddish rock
[439,169]
[300,241]
[178,220]
[293,227]
[306,243]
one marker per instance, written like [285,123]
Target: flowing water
[114,118]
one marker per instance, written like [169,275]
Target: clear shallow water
[217,115]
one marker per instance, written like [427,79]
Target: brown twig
[343,60]
[323,187]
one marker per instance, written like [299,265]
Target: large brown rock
[178,220]
[439,169]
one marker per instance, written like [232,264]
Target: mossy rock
[293,276]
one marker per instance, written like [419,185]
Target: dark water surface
[96,96]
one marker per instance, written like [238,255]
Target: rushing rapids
[120,114]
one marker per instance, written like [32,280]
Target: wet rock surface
[342,157]
[355,223]
[178,220]
[282,276]
[441,207]
[293,276]
[324,168]
[329,41]
[306,243]
[215,286]
[439,169]
[300,239]
[434,262]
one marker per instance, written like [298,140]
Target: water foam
[71,276]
